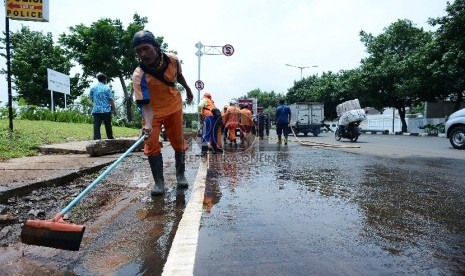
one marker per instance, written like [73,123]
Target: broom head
[56,234]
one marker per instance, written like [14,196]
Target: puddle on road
[296,211]
[329,212]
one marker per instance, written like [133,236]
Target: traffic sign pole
[8,65]
[227,50]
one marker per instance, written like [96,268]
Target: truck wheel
[315,133]
[457,137]
[305,133]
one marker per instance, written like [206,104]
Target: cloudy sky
[265,35]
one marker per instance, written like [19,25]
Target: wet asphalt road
[309,211]
[283,210]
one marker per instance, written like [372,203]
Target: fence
[383,123]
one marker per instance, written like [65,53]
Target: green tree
[32,53]
[303,90]
[265,99]
[391,79]
[105,47]
[448,52]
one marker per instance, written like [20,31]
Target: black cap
[144,36]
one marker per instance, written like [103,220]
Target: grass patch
[27,135]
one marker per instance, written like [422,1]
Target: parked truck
[307,117]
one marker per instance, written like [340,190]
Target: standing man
[224,130]
[246,121]
[103,107]
[161,104]
[261,123]
[283,117]
[210,126]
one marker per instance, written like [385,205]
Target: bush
[434,129]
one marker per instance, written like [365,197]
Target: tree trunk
[127,101]
[402,112]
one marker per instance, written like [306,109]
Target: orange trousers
[174,129]
[232,130]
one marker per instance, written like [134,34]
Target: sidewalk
[61,163]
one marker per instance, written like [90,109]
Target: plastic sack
[347,106]
[356,115]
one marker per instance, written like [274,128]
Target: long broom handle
[96,181]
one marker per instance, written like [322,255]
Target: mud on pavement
[125,227]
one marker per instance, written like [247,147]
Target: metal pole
[199,54]
[393,118]
[51,96]
[8,65]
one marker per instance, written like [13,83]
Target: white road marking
[181,258]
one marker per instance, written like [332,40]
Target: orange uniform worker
[246,121]
[210,127]
[232,118]
[160,103]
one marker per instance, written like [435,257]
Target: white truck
[307,117]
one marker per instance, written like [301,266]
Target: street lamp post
[301,68]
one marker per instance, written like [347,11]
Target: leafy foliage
[448,52]
[393,70]
[32,53]
[105,47]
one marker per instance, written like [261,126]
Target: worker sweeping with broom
[161,104]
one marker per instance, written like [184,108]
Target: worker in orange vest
[210,127]
[232,122]
[246,121]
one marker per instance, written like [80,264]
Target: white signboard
[58,82]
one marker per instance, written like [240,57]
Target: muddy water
[128,234]
[306,211]
[274,211]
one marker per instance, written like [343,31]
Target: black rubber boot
[156,165]
[204,150]
[180,169]
[216,149]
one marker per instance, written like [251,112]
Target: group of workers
[219,130]
[160,104]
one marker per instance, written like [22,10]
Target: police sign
[33,10]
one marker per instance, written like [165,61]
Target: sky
[266,35]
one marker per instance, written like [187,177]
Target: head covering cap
[142,37]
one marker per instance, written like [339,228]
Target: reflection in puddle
[372,216]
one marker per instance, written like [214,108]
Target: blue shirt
[283,113]
[101,96]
